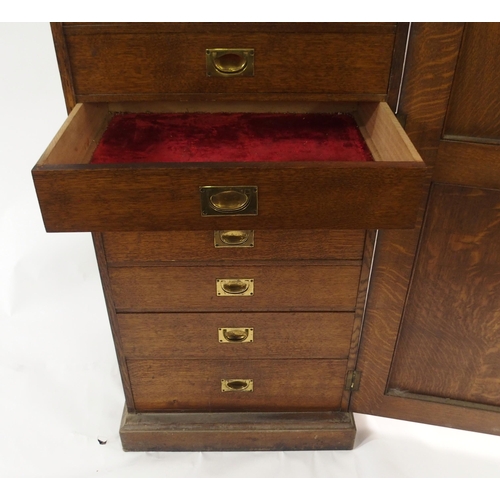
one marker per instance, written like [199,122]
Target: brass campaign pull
[230,62]
[234,238]
[235,335]
[234,287]
[228,200]
[236,385]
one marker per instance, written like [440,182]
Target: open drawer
[380,192]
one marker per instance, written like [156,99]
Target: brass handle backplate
[228,200]
[230,62]
[235,335]
[235,287]
[234,238]
[236,385]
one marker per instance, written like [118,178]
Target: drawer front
[235,335]
[297,195]
[281,385]
[272,288]
[140,198]
[174,246]
[155,59]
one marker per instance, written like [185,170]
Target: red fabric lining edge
[230,137]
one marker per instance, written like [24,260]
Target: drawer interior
[138,132]
[231,137]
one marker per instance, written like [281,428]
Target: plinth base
[253,431]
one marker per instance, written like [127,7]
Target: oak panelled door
[430,350]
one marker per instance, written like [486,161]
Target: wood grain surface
[359,314]
[474,109]
[468,164]
[73,28]
[279,385]
[449,344]
[153,62]
[181,246]
[276,288]
[431,60]
[433,51]
[166,196]
[236,431]
[78,135]
[113,319]
[275,335]
[63,62]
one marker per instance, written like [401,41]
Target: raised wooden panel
[468,164]
[449,344]
[474,109]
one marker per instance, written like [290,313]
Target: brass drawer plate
[235,335]
[234,239]
[236,385]
[224,63]
[235,287]
[228,200]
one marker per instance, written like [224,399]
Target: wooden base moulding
[236,431]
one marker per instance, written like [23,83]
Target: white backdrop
[59,382]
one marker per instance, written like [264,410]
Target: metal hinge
[352,380]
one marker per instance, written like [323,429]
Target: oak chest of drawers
[234,177]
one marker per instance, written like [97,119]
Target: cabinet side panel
[103,271]
[64,65]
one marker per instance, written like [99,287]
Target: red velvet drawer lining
[230,137]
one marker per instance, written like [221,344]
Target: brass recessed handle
[229,201]
[234,238]
[235,287]
[235,335]
[236,385]
[230,62]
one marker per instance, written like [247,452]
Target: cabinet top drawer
[143,61]
[281,193]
